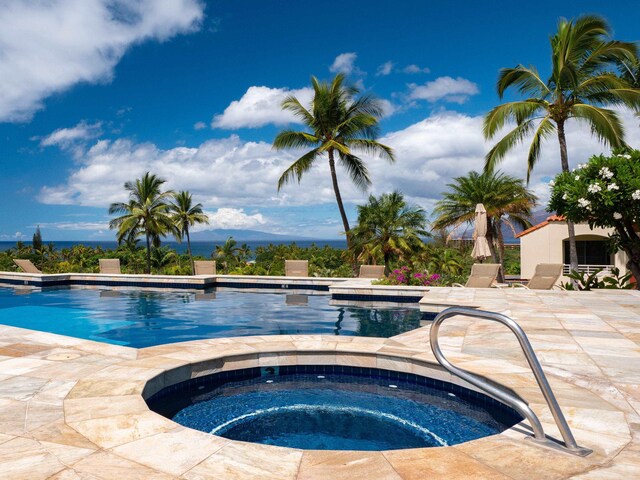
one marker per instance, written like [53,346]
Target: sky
[94,93]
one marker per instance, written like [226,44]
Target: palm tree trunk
[148,253]
[500,241]
[186,231]
[343,214]
[336,189]
[564,159]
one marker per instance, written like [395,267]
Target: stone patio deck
[73,409]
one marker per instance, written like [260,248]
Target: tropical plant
[227,254]
[505,198]
[340,123]
[36,242]
[185,215]
[163,257]
[581,84]
[146,213]
[388,228]
[605,192]
[596,280]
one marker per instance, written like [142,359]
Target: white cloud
[226,217]
[13,236]
[413,68]
[456,90]
[385,69]
[260,106]
[91,226]
[49,46]
[199,126]
[236,179]
[345,63]
[64,137]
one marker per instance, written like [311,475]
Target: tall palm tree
[505,198]
[146,213]
[340,124]
[227,253]
[581,84]
[185,214]
[388,227]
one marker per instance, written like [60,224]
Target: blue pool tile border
[194,386]
[272,286]
[376,298]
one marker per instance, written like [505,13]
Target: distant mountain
[220,235]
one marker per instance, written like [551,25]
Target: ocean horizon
[199,248]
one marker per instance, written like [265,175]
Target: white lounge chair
[371,271]
[204,267]
[26,265]
[110,266]
[483,275]
[544,278]
[296,268]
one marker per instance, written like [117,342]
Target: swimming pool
[330,407]
[140,319]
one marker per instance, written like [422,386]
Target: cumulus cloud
[345,63]
[413,68]
[226,217]
[456,90]
[92,226]
[199,126]
[47,47]
[385,69]
[236,180]
[261,106]
[64,137]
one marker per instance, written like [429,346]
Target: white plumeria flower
[594,188]
[552,184]
[584,203]
[617,216]
[606,173]
[613,186]
[577,177]
[565,196]
[636,195]
[628,157]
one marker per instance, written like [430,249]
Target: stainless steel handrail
[501,393]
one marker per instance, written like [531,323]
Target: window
[590,252]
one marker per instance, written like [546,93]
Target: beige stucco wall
[545,245]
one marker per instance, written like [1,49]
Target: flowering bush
[604,192]
[404,276]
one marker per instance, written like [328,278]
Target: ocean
[198,248]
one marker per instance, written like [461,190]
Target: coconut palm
[185,214]
[227,253]
[505,198]
[581,84]
[146,213]
[388,227]
[340,124]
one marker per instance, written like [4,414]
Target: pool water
[338,411]
[146,318]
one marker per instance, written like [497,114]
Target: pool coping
[101,405]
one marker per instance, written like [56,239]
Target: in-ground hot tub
[333,407]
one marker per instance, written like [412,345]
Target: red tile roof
[551,218]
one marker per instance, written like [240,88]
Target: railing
[588,269]
[502,393]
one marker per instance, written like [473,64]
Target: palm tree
[505,198]
[185,214]
[339,124]
[227,253]
[388,227]
[581,84]
[146,213]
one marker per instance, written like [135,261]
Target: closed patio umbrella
[480,245]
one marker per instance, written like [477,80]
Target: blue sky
[95,92]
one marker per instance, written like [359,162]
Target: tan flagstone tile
[60,432]
[439,463]
[184,446]
[81,409]
[238,461]
[110,432]
[320,465]
[105,388]
[107,466]
[25,459]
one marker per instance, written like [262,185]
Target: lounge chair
[296,268]
[204,267]
[110,265]
[544,278]
[482,275]
[371,271]
[26,265]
